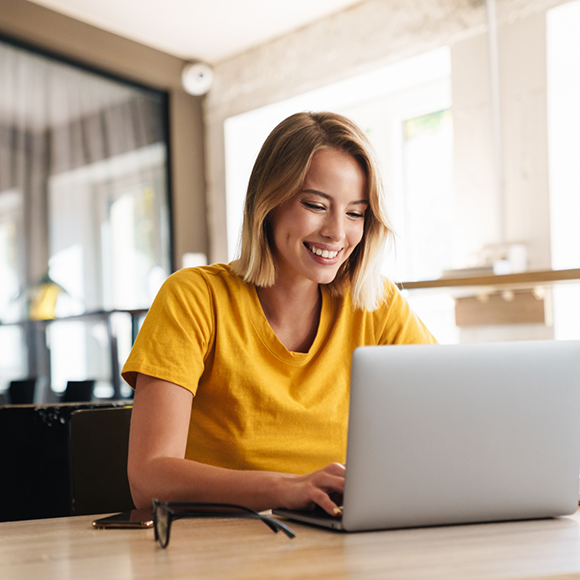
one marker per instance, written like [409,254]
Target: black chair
[78,392]
[36,459]
[21,392]
[99,445]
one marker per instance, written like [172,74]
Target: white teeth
[322,253]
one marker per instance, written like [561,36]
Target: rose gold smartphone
[135,519]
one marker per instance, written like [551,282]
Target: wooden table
[67,548]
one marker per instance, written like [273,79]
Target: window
[109,235]
[428,192]
[84,217]
[11,232]
[563,46]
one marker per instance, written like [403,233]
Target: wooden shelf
[503,282]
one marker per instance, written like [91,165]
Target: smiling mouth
[322,253]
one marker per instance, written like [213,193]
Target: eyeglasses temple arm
[276,526]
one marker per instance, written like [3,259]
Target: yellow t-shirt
[257,405]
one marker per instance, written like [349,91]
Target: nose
[334,227]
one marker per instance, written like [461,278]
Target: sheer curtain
[83,207]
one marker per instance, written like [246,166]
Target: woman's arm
[157,468]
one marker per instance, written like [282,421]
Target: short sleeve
[177,334]
[397,323]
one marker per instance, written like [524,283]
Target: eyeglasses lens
[162,517]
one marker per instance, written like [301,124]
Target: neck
[283,301]
[293,313]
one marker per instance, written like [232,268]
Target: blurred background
[120,162]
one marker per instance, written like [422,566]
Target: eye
[356,214]
[313,206]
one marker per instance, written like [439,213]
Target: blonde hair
[279,174]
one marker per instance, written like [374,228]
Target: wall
[376,33]
[94,47]
[525,203]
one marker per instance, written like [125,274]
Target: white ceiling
[207,30]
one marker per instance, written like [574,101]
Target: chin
[326,278]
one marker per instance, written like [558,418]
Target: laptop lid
[462,433]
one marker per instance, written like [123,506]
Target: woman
[241,371]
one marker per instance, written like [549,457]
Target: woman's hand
[304,492]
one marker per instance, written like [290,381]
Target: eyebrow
[329,197]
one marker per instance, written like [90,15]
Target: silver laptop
[460,433]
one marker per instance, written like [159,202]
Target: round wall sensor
[197,78]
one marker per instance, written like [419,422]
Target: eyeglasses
[164,512]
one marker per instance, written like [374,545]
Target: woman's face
[316,231]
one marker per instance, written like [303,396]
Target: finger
[335,468]
[325,502]
[328,489]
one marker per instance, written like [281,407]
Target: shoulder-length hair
[279,174]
